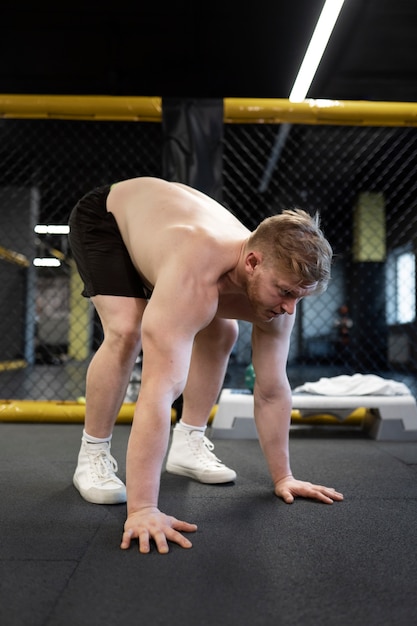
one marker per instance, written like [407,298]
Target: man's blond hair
[293,242]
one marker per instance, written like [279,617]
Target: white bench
[393,418]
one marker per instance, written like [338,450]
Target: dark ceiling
[212,49]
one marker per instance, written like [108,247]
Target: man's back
[160,221]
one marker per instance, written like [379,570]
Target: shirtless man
[169,271]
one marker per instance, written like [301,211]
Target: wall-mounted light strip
[46,262]
[51,229]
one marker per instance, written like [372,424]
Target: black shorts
[98,249]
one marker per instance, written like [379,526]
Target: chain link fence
[361,179]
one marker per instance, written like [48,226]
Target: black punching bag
[193,143]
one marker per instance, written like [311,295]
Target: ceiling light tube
[315,50]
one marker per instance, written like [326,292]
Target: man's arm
[173,316]
[273,404]
[272,393]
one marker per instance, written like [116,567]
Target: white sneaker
[95,475]
[191,455]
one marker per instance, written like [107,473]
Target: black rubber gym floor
[255,560]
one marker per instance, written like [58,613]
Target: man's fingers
[160,536]
[176,537]
[160,539]
[295,488]
[172,533]
[336,495]
[328,494]
[185,527]
[126,539]
[288,497]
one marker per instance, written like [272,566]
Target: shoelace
[203,448]
[104,464]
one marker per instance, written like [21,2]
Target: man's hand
[150,523]
[288,488]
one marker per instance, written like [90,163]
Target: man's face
[273,293]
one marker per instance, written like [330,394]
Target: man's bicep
[179,307]
[169,325]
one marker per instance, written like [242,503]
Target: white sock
[187,428]
[90,439]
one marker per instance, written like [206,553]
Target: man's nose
[289,306]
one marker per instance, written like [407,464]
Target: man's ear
[253,259]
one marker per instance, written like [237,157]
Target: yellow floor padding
[56,411]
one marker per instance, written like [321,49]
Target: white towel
[356,385]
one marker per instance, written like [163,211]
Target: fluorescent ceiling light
[46,262]
[51,229]
[315,50]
